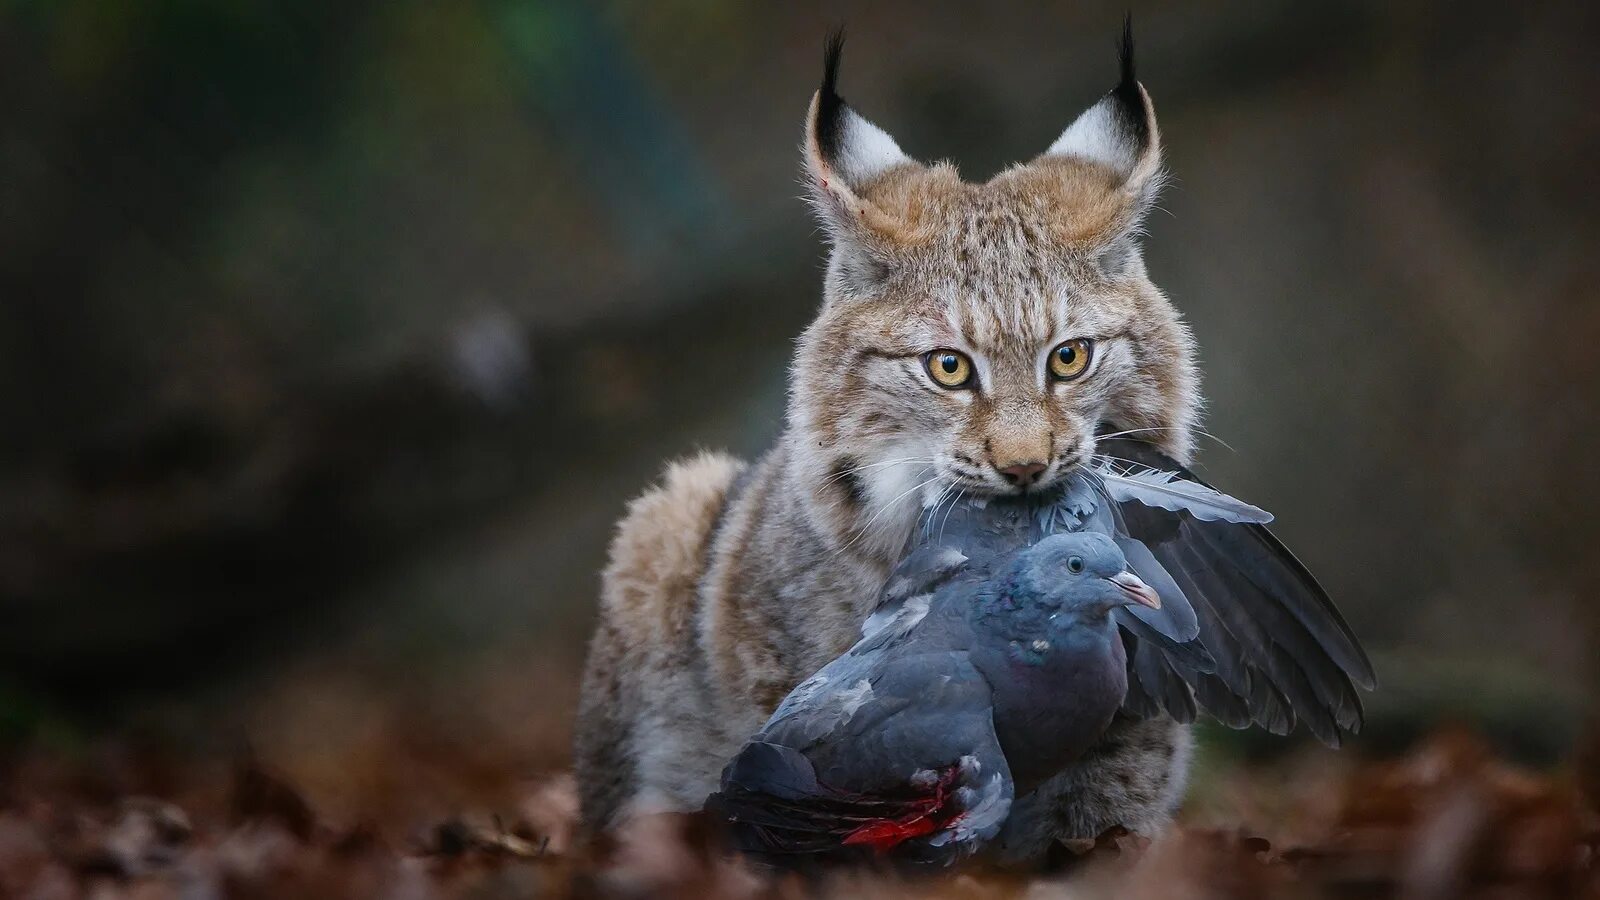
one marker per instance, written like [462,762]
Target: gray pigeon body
[916,740]
[1244,631]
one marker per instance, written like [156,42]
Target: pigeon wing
[915,768]
[924,570]
[1282,653]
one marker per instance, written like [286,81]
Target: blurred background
[334,337]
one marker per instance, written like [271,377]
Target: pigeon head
[1065,579]
[1081,572]
[1060,591]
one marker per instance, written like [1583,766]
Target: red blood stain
[923,816]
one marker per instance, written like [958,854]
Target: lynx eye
[1071,358]
[948,368]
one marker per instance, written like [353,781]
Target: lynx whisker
[1128,464]
[939,498]
[1116,434]
[960,494]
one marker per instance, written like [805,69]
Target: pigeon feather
[1167,491]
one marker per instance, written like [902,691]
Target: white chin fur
[896,494]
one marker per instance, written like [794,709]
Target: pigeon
[1244,632]
[915,741]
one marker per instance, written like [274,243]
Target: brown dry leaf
[1188,864]
[459,837]
[1448,819]
[262,796]
[551,811]
[25,857]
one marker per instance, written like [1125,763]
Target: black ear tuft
[1130,100]
[831,52]
[1125,53]
[830,106]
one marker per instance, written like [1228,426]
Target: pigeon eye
[1071,358]
[948,368]
[1075,564]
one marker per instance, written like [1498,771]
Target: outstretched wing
[1282,653]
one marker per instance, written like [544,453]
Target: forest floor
[1445,819]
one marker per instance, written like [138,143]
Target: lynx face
[973,336]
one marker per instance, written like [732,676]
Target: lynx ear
[1119,138]
[843,152]
[1120,134]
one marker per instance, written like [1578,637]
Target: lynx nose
[1022,474]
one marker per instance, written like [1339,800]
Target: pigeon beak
[1135,589]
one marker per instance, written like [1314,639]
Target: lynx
[972,339]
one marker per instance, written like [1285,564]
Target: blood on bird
[886,835]
[924,816]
